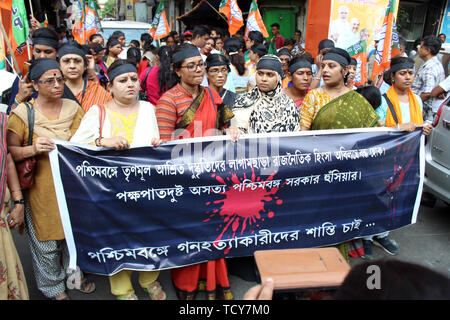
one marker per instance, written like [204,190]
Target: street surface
[426,243]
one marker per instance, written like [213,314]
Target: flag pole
[216,11]
[31,8]
[8,43]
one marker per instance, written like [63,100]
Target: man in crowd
[277,38]
[199,36]
[429,75]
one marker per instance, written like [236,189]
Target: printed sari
[206,112]
[350,110]
[203,117]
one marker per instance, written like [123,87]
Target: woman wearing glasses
[188,102]
[127,122]
[177,110]
[217,68]
[54,118]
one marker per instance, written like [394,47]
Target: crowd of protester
[104,95]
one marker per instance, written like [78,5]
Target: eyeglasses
[217,70]
[52,81]
[192,66]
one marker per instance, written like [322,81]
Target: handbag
[25,168]
[143,93]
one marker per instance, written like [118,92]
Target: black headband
[258,50]
[400,66]
[335,57]
[284,52]
[300,65]
[46,42]
[41,66]
[215,60]
[113,43]
[124,68]
[184,54]
[272,63]
[69,49]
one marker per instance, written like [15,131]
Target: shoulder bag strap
[391,107]
[30,112]
[145,79]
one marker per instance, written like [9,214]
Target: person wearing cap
[285,56]
[324,46]
[113,49]
[266,108]
[256,52]
[217,69]
[180,110]
[74,66]
[188,35]
[55,118]
[319,104]
[300,71]
[352,73]
[45,45]
[127,123]
[402,109]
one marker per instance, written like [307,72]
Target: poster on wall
[352,21]
[445,27]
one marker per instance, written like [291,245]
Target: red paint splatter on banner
[240,210]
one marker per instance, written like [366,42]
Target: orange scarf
[414,109]
[206,114]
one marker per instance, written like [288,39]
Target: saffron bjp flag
[5,4]
[160,27]
[78,30]
[15,22]
[255,21]
[233,13]
[388,41]
[359,52]
[91,21]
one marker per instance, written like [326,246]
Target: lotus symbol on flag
[235,11]
[89,22]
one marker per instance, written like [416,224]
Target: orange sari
[204,115]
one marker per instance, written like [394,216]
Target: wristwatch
[20,201]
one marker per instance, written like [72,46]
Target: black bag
[143,93]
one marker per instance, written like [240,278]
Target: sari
[351,110]
[211,276]
[207,110]
[13,285]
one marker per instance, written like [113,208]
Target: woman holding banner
[266,108]
[300,71]
[335,106]
[54,118]
[189,110]
[121,123]
[399,108]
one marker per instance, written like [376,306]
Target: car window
[130,34]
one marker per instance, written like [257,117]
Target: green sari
[350,110]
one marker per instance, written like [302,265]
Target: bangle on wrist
[20,201]
[98,142]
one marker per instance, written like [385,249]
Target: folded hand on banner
[234,133]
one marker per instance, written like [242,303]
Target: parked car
[131,29]
[437,156]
